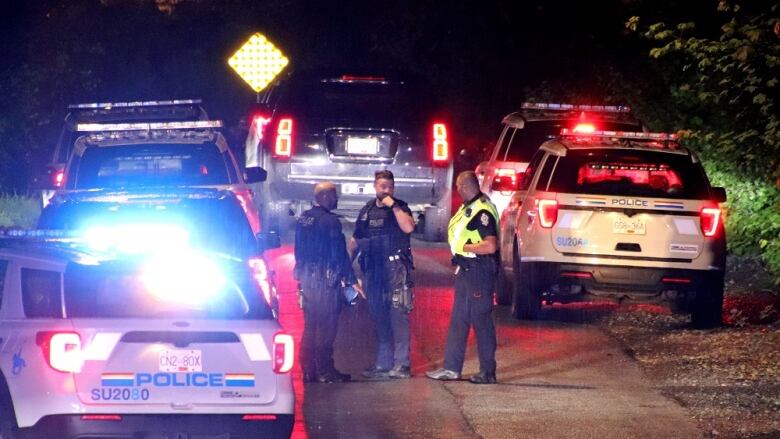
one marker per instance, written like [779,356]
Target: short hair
[383,174]
[469,178]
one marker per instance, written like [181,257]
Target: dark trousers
[391,324]
[322,301]
[473,307]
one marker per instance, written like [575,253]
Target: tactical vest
[458,226]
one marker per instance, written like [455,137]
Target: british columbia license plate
[189,360]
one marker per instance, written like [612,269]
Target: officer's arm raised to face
[385,188]
[468,188]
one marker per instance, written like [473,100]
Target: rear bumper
[644,284]
[160,426]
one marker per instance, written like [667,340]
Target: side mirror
[267,241]
[719,194]
[255,174]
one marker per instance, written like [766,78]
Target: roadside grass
[19,211]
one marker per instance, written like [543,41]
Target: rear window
[527,140]
[150,165]
[358,100]
[41,293]
[130,290]
[629,173]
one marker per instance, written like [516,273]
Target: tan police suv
[616,215]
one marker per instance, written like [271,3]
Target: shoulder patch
[484,219]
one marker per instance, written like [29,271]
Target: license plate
[357,189]
[362,145]
[629,226]
[180,360]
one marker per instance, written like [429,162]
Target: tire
[8,428]
[435,225]
[504,287]
[526,299]
[707,308]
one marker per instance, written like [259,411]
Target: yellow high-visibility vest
[457,230]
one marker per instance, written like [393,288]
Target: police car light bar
[621,135]
[146,126]
[573,107]
[109,105]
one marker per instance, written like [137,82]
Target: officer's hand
[388,201]
[359,290]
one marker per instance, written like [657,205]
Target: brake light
[506,180]
[710,220]
[584,128]
[283,142]
[259,418]
[260,274]
[283,352]
[441,145]
[58,178]
[675,280]
[62,350]
[576,274]
[101,417]
[548,212]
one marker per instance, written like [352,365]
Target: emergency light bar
[573,107]
[631,135]
[146,126]
[109,105]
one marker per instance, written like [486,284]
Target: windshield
[629,173]
[199,164]
[189,287]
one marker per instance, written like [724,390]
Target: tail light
[62,350]
[101,417]
[506,180]
[58,177]
[260,273]
[675,280]
[441,146]
[576,274]
[710,220]
[548,212]
[283,352]
[258,418]
[284,138]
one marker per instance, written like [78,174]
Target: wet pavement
[561,377]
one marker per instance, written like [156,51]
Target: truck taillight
[62,350]
[284,137]
[260,274]
[284,352]
[441,146]
[710,220]
[548,212]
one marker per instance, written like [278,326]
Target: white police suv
[175,343]
[621,215]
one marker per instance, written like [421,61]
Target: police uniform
[321,265]
[386,261]
[474,284]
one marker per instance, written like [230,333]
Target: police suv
[176,342]
[621,215]
[127,156]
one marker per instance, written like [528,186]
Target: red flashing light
[710,221]
[506,180]
[101,417]
[363,78]
[585,128]
[441,146]
[260,274]
[58,178]
[548,212]
[675,280]
[62,350]
[283,142]
[283,352]
[576,274]
[259,418]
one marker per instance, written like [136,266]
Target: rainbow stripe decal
[117,379]
[668,205]
[239,380]
[590,201]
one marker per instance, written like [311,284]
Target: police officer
[382,239]
[322,268]
[472,235]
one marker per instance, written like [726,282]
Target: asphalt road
[562,377]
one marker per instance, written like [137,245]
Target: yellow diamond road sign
[258,62]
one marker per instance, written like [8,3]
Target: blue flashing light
[137,238]
[184,277]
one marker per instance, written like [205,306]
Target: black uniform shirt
[378,233]
[319,240]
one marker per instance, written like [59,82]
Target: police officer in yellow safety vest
[473,239]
